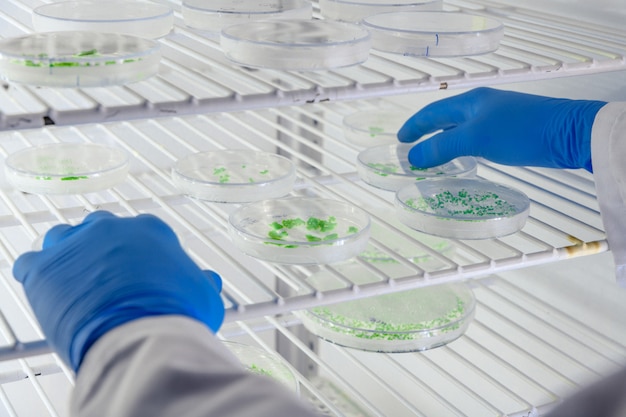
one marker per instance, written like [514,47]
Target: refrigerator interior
[549,316]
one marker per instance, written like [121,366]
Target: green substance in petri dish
[321,227]
[69,64]
[259,371]
[464,203]
[375,130]
[69,178]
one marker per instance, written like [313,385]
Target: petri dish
[234,176]
[462,208]
[298,45]
[434,34]
[300,230]
[407,321]
[141,18]
[78,59]
[357,10]
[369,128]
[217,14]
[66,168]
[387,167]
[262,362]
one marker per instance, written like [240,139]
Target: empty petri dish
[300,230]
[373,127]
[462,208]
[78,59]
[387,167]
[141,18]
[217,14]
[434,34]
[262,362]
[357,10]
[299,45]
[66,168]
[234,176]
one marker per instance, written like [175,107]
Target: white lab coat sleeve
[608,152]
[174,366]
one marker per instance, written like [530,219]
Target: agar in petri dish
[234,176]
[434,34]
[262,362]
[300,230]
[214,15]
[462,208]
[66,168]
[78,59]
[387,167]
[357,10]
[140,18]
[297,45]
[373,127]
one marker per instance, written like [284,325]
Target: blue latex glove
[504,127]
[108,271]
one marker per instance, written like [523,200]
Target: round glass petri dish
[373,127]
[408,321]
[217,14]
[262,362]
[434,34]
[78,59]
[387,167]
[298,45]
[357,10]
[462,208]
[234,176]
[66,168]
[141,18]
[300,230]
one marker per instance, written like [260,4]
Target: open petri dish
[357,10]
[66,168]
[298,45]
[373,127]
[216,14]
[78,59]
[234,176]
[434,34]
[462,208]
[300,230]
[141,18]
[408,321]
[262,362]
[387,167]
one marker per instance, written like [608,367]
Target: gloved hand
[505,127]
[108,271]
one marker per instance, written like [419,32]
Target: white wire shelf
[195,77]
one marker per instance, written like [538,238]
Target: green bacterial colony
[89,53]
[380,330]
[321,230]
[75,178]
[223,176]
[375,130]
[385,169]
[463,203]
[259,371]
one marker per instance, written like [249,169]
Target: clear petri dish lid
[66,168]
[368,128]
[214,15]
[300,230]
[462,208]
[78,59]
[387,167]
[299,45]
[357,10]
[262,362]
[141,18]
[234,176]
[434,34]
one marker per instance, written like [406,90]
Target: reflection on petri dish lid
[215,14]
[299,45]
[387,167]
[357,10]
[374,127]
[78,59]
[66,168]
[300,230]
[141,18]
[434,34]
[262,362]
[462,208]
[234,176]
